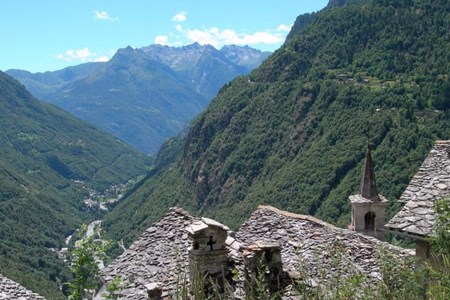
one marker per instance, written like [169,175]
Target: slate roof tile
[430,184]
[12,290]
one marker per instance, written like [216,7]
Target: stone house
[157,265]
[431,183]
[12,290]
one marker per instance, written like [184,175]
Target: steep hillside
[143,96]
[292,134]
[47,157]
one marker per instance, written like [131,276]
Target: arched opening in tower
[369,221]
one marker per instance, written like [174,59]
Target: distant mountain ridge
[43,84]
[143,96]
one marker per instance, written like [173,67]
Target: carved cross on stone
[211,243]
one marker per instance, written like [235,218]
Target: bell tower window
[369,221]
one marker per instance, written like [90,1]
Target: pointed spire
[368,187]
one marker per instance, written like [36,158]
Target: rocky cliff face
[244,56]
[205,66]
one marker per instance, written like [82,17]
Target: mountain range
[293,133]
[49,162]
[143,96]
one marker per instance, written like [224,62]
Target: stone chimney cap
[199,226]
[211,222]
[196,227]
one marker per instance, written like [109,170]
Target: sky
[48,35]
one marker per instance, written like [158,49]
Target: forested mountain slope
[47,157]
[293,133]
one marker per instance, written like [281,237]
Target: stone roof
[310,241]
[160,255]
[368,188]
[431,183]
[12,290]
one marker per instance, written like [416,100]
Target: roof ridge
[169,215]
[442,142]
[297,216]
[180,211]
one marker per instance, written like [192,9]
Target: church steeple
[368,206]
[368,188]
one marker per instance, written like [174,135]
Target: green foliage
[256,286]
[438,284]
[84,265]
[114,288]
[441,242]
[402,278]
[442,98]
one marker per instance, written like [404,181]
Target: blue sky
[52,34]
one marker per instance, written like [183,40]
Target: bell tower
[368,207]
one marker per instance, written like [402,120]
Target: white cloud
[101,59]
[81,55]
[179,28]
[103,15]
[283,27]
[217,37]
[161,40]
[180,17]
